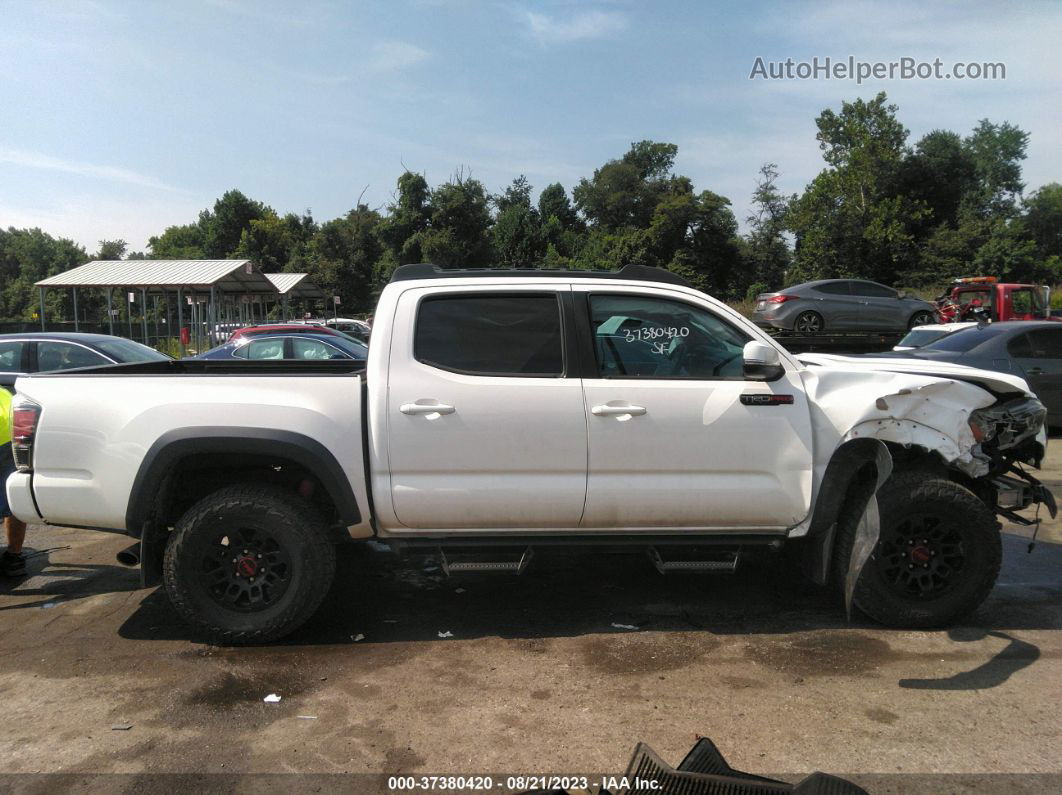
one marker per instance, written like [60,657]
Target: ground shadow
[387,599]
[1017,654]
[56,582]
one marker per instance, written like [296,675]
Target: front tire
[248,564]
[937,558]
[808,322]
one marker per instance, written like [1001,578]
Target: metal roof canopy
[227,275]
[295,285]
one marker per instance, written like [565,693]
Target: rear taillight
[781,298]
[24,416]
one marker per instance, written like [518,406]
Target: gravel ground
[104,688]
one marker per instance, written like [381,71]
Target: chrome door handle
[613,411]
[426,408]
[1035,371]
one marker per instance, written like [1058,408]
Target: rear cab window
[491,334]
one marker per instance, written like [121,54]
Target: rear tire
[923,318]
[936,560]
[248,564]
[808,322]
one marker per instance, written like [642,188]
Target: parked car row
[38,352]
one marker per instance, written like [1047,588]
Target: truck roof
[636,273]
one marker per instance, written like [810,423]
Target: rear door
[678,438]
[881,307]
[840,310]
[485,422]
[1039,354]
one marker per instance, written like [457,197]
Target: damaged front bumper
[1017,491]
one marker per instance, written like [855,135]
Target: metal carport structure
[211,288]
[297,286]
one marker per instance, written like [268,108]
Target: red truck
[1000,302]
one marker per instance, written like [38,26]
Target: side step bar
[724,561]
[483,566]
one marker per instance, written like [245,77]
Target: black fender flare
[847,462]
[173,446]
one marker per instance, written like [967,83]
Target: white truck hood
[998,382]
[904,401]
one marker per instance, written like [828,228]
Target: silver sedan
[840,305]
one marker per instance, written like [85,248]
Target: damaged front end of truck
[877,417]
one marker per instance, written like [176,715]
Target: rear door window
[833,288]
[11,356]
[517,334]
[55,355]
[872,290]
[1046,343]
[259,350]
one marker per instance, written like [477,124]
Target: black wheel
[248,564]
[809,322]
[923,318]
[937,558]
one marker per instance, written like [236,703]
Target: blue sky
[118,119]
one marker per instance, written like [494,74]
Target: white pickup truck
[505,410]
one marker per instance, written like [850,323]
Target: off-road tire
[905,497]
[296,526]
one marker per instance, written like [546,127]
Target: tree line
[881,208]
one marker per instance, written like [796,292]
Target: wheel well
[197,475]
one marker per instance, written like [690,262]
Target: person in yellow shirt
[12,562]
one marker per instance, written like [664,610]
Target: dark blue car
[289,346]
[1031,349]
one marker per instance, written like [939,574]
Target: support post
[77,327]
[42,309]
[128,312]
[180,319]
[143,313]
[212,316]
[110,311]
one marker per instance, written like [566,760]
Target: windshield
[129,351]
[960,341]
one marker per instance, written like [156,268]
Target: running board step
[724,561]
[483,566]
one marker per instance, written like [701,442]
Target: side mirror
[762,362]
[902,296]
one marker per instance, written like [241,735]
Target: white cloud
[39,160]
[581,26]
[393,56]
[88,218]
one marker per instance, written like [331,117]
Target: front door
[678,438]
[485,428]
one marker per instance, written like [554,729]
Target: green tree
[458,235]
[516,235]
[766,252]
[343,254]
[111,249]
[1043,220]
[223,228]
[407,218]
[996,151]
[851,221]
